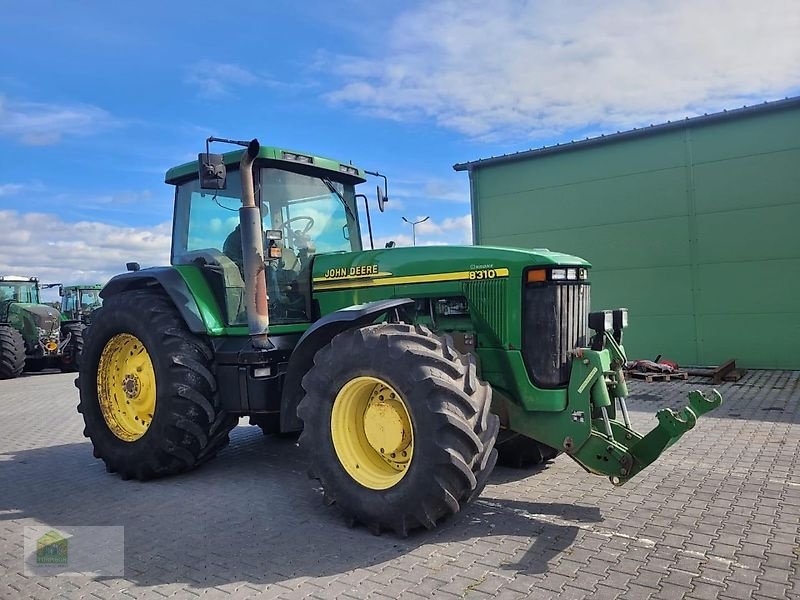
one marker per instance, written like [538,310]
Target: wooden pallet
[650,377]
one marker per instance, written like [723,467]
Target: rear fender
[166,278]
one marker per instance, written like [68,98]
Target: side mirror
[382,199]
[132,266]
[61,291]
[211,171]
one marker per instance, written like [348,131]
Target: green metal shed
[693,225]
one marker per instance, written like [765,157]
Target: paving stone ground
[717,517]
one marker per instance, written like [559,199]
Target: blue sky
[98,99]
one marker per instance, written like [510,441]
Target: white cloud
[9,189]
[218,79]
[41,124]
[215,79]
[42,245]
[436,189]
[449,231]
[514,68]
[457,228]
[399,239]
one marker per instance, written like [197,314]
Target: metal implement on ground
[409,371]
[33,335]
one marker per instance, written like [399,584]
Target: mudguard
[317,336]
[170,281]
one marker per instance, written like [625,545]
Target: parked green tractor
[407,369]
[32,336]
[78,302]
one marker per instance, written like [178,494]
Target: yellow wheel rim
[126,387]
[372,433]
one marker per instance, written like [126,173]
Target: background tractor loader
[408,370]
[32,335]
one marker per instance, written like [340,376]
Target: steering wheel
[306,229]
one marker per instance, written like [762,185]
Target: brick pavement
[717,517]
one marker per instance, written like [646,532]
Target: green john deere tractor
[408,370]
[78,302]
[32,335]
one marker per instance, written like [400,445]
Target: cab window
[312,213]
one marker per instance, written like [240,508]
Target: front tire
[69,360]
[397,426]
[147,389]
[12,352]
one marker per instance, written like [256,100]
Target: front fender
[319,335]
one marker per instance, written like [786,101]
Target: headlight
[620,318]
[301,158]
[557,274]
[601,320]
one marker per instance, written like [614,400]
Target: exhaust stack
[255,281]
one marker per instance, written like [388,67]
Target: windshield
[19,292]
[90,299]
[310,211]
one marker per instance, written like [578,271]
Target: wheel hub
[130,385]
[385,424]
[126,387]
[372,432]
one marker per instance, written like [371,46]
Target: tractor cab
[14,289]
[307,206]
[79,301]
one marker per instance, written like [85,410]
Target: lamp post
[414,228]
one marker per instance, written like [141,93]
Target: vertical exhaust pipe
[255,281]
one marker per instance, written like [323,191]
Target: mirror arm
[226,141]
[385,181]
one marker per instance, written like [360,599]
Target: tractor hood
[35,321]
[430,264]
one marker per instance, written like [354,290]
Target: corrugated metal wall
[696,230]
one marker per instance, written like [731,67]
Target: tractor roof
[17,278]
[290,157]
[85,286]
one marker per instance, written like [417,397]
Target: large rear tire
[148,394]
[397,426]
[519,451]
[69,361]
[12,352]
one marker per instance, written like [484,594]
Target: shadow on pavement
[250,515]
[771,396]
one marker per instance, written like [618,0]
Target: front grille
[555,321]
[487,302]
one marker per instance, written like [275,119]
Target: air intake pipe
[255,281]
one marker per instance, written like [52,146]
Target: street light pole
[414,228]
